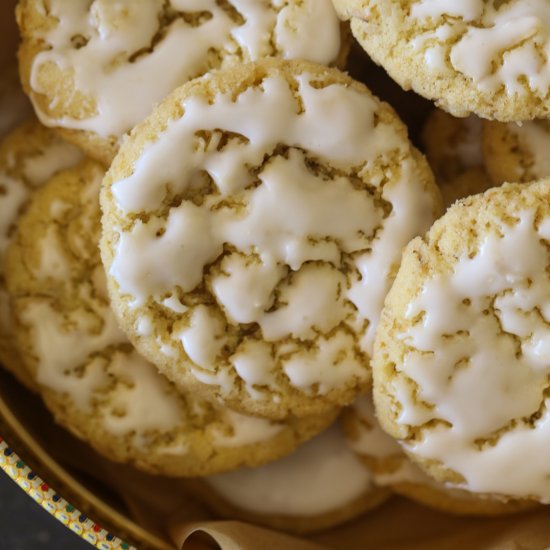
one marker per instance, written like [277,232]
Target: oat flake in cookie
[94,69]
[251,229]
[90,376]
[462,359]
[470,56]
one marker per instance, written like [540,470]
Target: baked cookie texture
[82,61]
[517,152]
[29,156]
[460,364]
[252,265]
[488,58]
[320,485]
[390,467]
[452,145]
[89,375]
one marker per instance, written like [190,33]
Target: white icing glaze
[321,476]
[534,138]
[142,400]
[53,259]
[484,372]
[293,220]
[55,156]
[244,430]
[495,44]
[111,33]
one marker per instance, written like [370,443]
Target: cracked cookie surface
[251,228]
[89,375]
[29,156]
[94,69]
[488,58]
[461,365]
[391,467]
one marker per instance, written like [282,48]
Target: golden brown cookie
[252,226]
[90,377]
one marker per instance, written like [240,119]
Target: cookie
[461,359]
[321,485]
[452,145]
[390,467]
[470,182]
[95,69]
[251,228]
[89,375]
[517,153]
[29,156]
[15,107]
[488,58]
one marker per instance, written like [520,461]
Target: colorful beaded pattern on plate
[54,504]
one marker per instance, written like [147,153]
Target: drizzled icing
[321,476]
[82,355]
[310,255]
[479,360]
[109,49]
[33,159]
[389,464]
[534,142]
[495,44]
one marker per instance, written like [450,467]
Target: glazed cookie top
[517,152]
[82,60]
[470,56]
[91,378]
[251,229]
[461,364]
[29,156]
[321,476]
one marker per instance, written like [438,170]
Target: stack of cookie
[225,303]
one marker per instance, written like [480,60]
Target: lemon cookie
[320,485]
[252,225]
[29,156]
[461,364]
[91,378]
[516,152]
[452,145]
[488,58]
[94,69]
[390,467]
[15,107]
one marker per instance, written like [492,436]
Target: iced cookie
[488,58]
[14,104]
[252,226]
[452,145]
[390,467]
[29,156]
[91,378]
[321,485]
[517,153]
[94,69]
[462,362]
[470,182]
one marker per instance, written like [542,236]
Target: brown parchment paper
[167,510]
